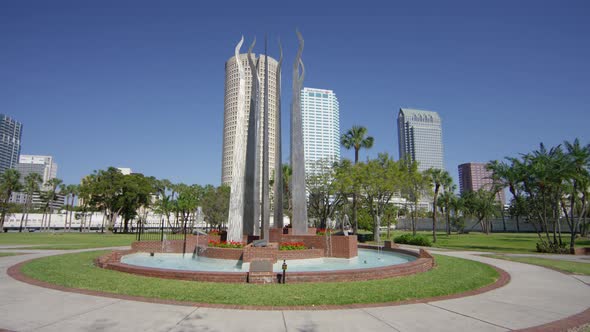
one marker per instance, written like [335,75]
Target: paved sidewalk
[571,258]
[534,296]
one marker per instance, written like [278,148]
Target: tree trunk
[448,221]
[71,213]
[49,219]
[354,215]
[434,217]
[517,224]
[503,219]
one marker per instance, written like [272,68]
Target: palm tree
[50,197]
[32,185]
[355,138]
[9,183]
[438,178]
[69,192]
[482,205]
[445,203]
[74,190]
[578,157]
[509,176]
[65,192]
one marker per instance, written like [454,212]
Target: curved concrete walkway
[534,296]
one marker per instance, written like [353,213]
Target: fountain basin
[391,262]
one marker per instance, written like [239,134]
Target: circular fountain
[340,258]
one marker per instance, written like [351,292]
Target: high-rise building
[231,108]
[10,142]
[321,128]
[125,170]
[474,176]
[420,138]
[42,165]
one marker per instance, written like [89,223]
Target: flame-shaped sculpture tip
[280,52]
[252,45]
[239,46]
[300,38]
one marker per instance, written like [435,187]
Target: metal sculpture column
[265,216]
[299,220]
[278,181]
[236,202]
[252,179]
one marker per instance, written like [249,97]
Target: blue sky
[140,83]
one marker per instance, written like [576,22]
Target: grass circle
[450,276]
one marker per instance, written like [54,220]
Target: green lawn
[451,276]
[66,240]
[565,266]
[496,242]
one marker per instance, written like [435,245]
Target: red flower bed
[292,246]
[225,244]
[322,231]
[213,232]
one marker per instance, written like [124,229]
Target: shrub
[292,246]
[225,244]
[213,232]
[417,240]
[553,248]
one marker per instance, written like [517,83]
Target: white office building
[42,165]
[321,128]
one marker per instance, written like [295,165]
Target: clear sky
[140,84]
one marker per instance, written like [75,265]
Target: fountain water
[165,244]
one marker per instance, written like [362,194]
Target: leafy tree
[9,183]
[415,184]
[378,180]
[216,204]
[135,195]
[325,192]
[438,178]
[390,213]
[355,138]
[189,199]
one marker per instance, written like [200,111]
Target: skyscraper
[420,138]
[231,107]
[42,165]
[474,176]
[321,128]
[10,141]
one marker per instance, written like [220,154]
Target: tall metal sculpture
[236,203]
[278,176]
[252,179]
[265,216]
[245,203]
[299,220]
